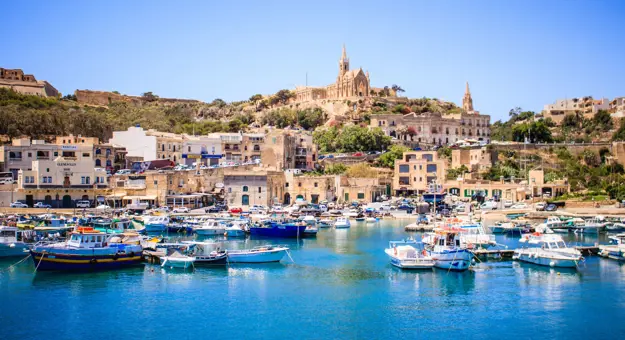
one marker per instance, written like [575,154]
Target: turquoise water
[340,286]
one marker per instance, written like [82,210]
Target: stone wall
[104,98]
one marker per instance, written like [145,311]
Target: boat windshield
[561,244]
[75,237]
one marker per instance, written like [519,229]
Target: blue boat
[156,224]
[88,250]
[275,229]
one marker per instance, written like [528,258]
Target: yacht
[405,255]
[547,250]
[594,225]
[341,223]
[11,242]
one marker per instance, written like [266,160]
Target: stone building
[364,190]
[259,187]
[435,128]
[475,159]
[416,170]
[202,149]
[16,80]
[149,144]
[585,106]
[105,155]
[313,189]
[349,83]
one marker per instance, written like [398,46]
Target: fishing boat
[556,224]
[325,223]
[207,253]
[615,250]
[11,242]
[572,224]
[547,250]
[278,229]
[210,228]
[115,226]
[594,225]
[474,235]
[177,260]
[371,220]
[88,249]
[405,255]
[263,254]
[341,223]
[351,213]
[236,229]
[311,225]
[155,223]
[447,250]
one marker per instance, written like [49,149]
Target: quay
[507,253]
[419,227]
[153,257]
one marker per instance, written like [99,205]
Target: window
[82,180]
[361,195]
[47,169]
[229,190]
[260,189]
[404,168]
[108,153]
[30,155]
[286,184]
[108,162]
[86,154]
[98,162]
[315,184]
[189,149]
[431,168]
[56,153]
[299,184]
[245,189]
[98,151]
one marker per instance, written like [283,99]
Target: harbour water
[341,286]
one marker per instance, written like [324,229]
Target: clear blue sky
[513,53]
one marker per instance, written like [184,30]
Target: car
[507,203]
[540,206]
[181,210]
[103,207]
[330,156]
[83,204]
[41,205]
[123,172]
[460,208]
[406,207]
[257,209]
[235,210]
[489,205]
[321,157]
[19,205]
[358,154]
[385,207]
[213,209]
[519,205]
[551,207]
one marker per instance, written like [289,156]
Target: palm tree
[397,88]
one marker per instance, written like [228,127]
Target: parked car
[123,172]
[257,209]
[83,204]
[181,210]
[406,207]
[508,203]
[460,208]
[41,205]
[358,154]
[551,207]
[236,210]
[519,205]
[19,205]
[489,205]
[540,206]
[385,207]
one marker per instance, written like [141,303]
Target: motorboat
[616,249]
[325,223]
[236,229]
[11,242]
[351,213]
[262,254]
[405,255]
[341,223]
[311,225]
[88,249]
[278,229]
[474,236]
[547,250]
[371,220]
[594,225]
[447,250]
[207,253]
[572,224]
[556,224]
[156,223]
[210,228]
[177,260]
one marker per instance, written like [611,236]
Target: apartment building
[586,106]
[416,170]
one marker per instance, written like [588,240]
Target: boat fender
[93,261]
[424,252]
[131,254]
[116,256]
[395,250]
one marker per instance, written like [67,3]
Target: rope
[452,261]
[43,254]
[16,263]
[289,254]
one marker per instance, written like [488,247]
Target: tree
[514,112]
[535,132]
[149,96]
[453,174]
[397,88]
[388,158]
[283,96]
[603,120]
[255,99]
[335,169]
[619,135]
[218,102]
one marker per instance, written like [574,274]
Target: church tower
[343,63]
[467,101]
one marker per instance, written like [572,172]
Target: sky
[513,53]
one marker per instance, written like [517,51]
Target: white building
[137,143]
[203,149]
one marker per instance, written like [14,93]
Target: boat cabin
[544,241]
[447,238]
[87,237]
[10,235]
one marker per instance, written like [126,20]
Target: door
[314,199]
[346,197]
[67,201]
[287,198]
[66,182]
[245,200]
[29,200]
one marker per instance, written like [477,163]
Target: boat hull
[457,260]
[12,249]
[50,261]
[155,228]
[285,231]
[545,261]
[257,257]
[212,260]
[235,233]
[176,262]
[407,263]
[210,232]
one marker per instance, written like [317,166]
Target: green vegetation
[283,117]
[418,105]
[388,158]
[335,169]
[454,173]
[350,138]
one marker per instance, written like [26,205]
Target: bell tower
[467,101]
[343,63]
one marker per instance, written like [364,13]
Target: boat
[405,255]
[113,225]
[11,242]
[351,213]
[263,254]
[371,220]
[341,223]
[278,229]
[616,249]
[474,235]
[177,260]
[360,219]
[311,225]
[572,224]
[210,228]
[207,253]
[88,249]
[325,223]
[155,223]
[556,224]
[616,226]
[594,225]
[447,250]
[547,250]
[236,229]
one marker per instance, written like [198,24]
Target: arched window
[98,151]
[108,162]
[98,162]
[245,189]
[256,147]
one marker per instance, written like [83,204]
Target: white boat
[236,229]
[556,224]
[351,213]
[325,223]
[341,222]
[311,225]
[616,249]
[594,225]
[474,236]
[371,220]
[547,250]
[572,224]
[261,254]
[447,250]
[210,228]
[177,260]
[11,243]
[155,223]
[405,255]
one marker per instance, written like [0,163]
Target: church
[349,83]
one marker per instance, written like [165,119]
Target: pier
[419,227]
[505,254]
[153,257]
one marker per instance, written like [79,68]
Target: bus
[6,178]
